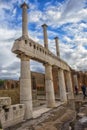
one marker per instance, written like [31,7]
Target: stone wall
[38,82]
[13,93]
[11,84]
[10,114]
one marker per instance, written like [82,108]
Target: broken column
[24,7]
[45,35]
[57,47]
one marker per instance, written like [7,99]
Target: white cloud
[67,20]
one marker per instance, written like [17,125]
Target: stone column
[69,85]
[24,7]
[25,86]
[75,80]
[57,47]
[63,96]
[45,35]
[50,97]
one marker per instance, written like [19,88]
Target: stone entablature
[37,52]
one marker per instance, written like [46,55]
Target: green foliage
[1,82]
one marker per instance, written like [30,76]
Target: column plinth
[62,88]
[25,86]
[50,97]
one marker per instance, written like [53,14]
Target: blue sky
[66,19]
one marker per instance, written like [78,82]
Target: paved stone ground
[50,119]
[43,109]
[48,124]
[81,108]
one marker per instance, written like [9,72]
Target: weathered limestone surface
[69,85]
[49,86]
[56,119]
[45,35]
[25,86]
[37,52]
[5,101]
[62,87]
[24,7]
[75,80]
[12,115]
[57,47]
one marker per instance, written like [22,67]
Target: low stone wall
[12,115]
[5,101]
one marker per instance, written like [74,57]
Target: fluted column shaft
[57,46]
[25,86]
[69,85]
[45,35]
[62,88]
[24,7]
[75,80]
[50,97]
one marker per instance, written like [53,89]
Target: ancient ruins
[26,49]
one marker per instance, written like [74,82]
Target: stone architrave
[62,88]
[69,85]
[50,97]
[25,86]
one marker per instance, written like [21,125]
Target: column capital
[47,64]
[59,69]
[56,38]
[44,25]
[25,5]
[24,57]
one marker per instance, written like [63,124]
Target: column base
[50,94]
[28,109]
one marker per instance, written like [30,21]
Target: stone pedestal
[69,85]
[50,97]
[25,86]
[63,96]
